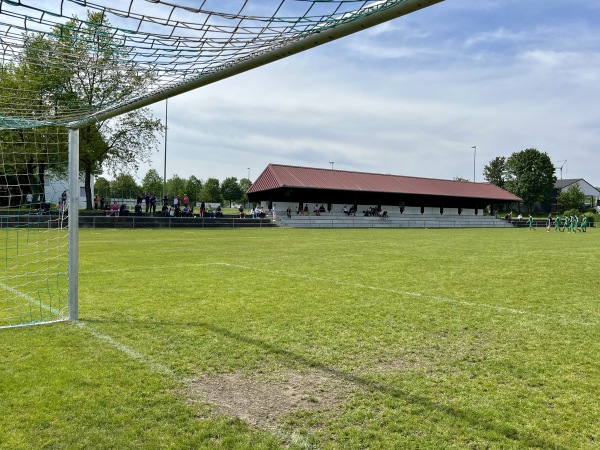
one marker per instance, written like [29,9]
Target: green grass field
[349,339]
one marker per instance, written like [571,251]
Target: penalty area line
[437,298]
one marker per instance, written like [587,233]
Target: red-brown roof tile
[279,176]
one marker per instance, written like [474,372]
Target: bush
[570,212]
[591,217]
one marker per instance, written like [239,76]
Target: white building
[592,194]
[54,187]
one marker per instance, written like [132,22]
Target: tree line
[78,66]
[530,174]
[212,190]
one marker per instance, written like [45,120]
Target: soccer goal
[34,225]
[70,70]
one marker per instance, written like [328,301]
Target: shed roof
[563,183]
[277,176]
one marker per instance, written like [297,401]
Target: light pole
[331,162]
[165,165]
[248,173]
[474,156]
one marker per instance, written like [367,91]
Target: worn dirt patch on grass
[263,400]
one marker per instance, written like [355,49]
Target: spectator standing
[153,203]
[95,202]
[147,202]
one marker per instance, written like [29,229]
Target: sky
[409,97]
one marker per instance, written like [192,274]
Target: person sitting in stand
[124,211]
[288,212]
[241,211]
[115,209]
[316,210]
[219,213]
[107,210]
[185,212]
[138,209]
[321,208]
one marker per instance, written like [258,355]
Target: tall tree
[175,186]
[495,171]
[102,187]
[245,184]
[152,183]
[530,175]
[211,191]
[192,187]
[124,186]
[27,154]
[94,71]
[572,198]
[230,190]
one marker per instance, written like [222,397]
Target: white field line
[33,301]
[437,298]
[155,366]
[98,335]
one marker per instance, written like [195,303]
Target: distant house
[592,194]
[55,186]
[294,187]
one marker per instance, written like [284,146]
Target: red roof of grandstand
[277,176]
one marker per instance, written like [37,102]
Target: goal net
[68,67]
[33,226]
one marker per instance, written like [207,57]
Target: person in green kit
[557,223]
[531,223]
[583,225]
[574,223]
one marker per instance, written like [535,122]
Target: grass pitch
[329,339]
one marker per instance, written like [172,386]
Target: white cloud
[411,97]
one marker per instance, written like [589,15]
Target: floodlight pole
[165,165]
[73,218]
[474,156]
